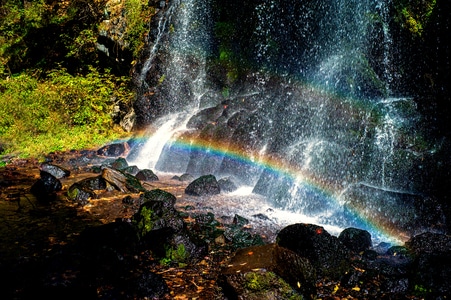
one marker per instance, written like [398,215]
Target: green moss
[414,15]
[178,255]
[421,291]
[260,283]
[72,193]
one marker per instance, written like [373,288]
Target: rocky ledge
[86,225]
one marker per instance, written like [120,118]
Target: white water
[324,146]
[169,127]
[162,27]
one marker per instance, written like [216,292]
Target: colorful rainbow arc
[277,166]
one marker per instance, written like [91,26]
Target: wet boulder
[84,190]
[94,183]
[202,186]
[80,193]
[239,235]
[356,240]
[155,213]
[132,170]
[431,268]
[227,185]
[163,231]
[258,271]
[45,188]
[119,164]
[146,175]
[114,150]
[57,171]
[329,256]
[184,177]
[167,198]
[122,181]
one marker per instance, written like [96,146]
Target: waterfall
[295,101]
[163,19]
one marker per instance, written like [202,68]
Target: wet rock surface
[152,242]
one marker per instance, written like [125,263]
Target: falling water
[163,20]
[314,126]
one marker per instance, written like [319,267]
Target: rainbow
[278,167]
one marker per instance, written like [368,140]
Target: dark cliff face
[292,37]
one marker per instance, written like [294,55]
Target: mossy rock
[154,215]
[261,284]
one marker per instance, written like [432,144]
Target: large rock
[204,185]
[80,193]
[227,185]
[114,150]
[45,188]
[122,181]
[163,231]
[57,171]
[255,272]
[431,270]
[329,256]
[146,175]
[156,213]
[356,240]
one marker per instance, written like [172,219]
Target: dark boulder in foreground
[431,269]
[356,240]
[163,230]
[329,256]
[45,188]
[203,186]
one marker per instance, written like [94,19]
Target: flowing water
[313,133]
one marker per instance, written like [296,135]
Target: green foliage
[421,291]
[138,14]
[58,112]
[145,223]
[179,255]
[43,33]
[414,15]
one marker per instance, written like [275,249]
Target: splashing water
[313,132]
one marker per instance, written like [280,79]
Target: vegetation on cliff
[57,90]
